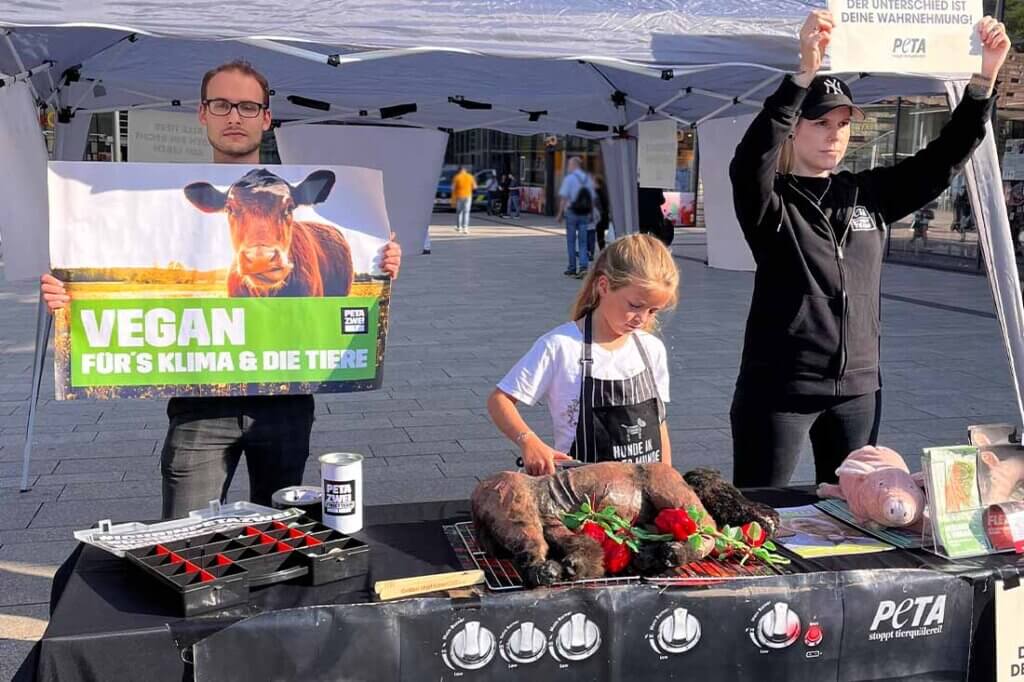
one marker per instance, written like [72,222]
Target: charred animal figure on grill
[727,504]
[522,515]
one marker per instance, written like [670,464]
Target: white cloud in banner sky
[136,215]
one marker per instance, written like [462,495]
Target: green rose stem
[620,531]
[728,537]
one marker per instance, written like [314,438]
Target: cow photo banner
[217,280]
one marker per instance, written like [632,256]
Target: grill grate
[501,574]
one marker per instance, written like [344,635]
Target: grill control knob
[526,644]
[778,627]
[678,632]
[577,638]
[472,646]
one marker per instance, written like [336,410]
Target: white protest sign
[167,136]
[1013,160]
[656,153]
[1009,632]
[919,36]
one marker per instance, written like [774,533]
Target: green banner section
[174,341]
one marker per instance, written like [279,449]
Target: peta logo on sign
[909,47]
[832,87]
[908,619]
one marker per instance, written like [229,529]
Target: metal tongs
[565,463]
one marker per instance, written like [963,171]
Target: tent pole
[139,107]
[43,322]
[733,101]
[21,65]
[628,180]
[117,136]
[58,135]
[985,190]
[26,75]
[895,160]
[488,124]
[342,59]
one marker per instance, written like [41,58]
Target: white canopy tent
[592,68]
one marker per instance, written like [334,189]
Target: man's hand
[391,257]
[538,458]
[54,293]
[815,35]
[995,45]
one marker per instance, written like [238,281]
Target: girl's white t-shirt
[551,372]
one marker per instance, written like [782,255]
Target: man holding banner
[206,436]
[810,357]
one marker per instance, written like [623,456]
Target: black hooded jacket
[813,326]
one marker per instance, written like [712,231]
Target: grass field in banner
[149,333]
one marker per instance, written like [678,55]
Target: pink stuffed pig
[878,487]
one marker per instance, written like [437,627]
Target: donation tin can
[341,474]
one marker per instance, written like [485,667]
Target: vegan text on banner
[217,280]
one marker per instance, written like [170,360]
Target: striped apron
[620,419]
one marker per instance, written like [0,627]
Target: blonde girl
[603,375]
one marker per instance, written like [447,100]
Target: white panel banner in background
[24,214]
[167,136]
[656,153]
[410,159]
[1013,160]
[898,37]
[71,138]
[727,249]
[619,154]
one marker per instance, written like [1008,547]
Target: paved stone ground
[461,317]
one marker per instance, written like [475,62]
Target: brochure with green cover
[951,477]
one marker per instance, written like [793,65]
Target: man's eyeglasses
[222,107]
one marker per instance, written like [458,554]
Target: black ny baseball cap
[825,94]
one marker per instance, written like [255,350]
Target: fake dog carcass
[522,515]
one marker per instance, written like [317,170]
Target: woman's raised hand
[815,35]
[995,45]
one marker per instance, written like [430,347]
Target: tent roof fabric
[655,31]
[559,60]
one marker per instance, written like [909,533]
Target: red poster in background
[681,208]
[532,200]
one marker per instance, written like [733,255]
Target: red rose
[616,557]
[677,522]
[594,530]
[754,534]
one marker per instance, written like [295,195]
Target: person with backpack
[603,210]
[576,206]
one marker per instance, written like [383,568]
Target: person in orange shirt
[463,185]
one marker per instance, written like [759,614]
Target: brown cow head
[259,208]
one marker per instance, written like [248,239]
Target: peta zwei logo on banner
[908,619]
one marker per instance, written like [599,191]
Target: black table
[106,624]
